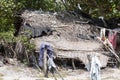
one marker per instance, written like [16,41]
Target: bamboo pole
[45,62]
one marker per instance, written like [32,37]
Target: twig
[26,55]
[107,46]
[13,52]
[36,63]
[59,73]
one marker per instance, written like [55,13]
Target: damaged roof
[68,37]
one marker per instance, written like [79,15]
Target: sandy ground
[22,72]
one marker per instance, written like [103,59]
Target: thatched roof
[83,45]
[77,50]
[68,38]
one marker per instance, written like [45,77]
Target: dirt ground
[22,72]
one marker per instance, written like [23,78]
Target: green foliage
[7,36]
[7,11]
[26,41]
[114,9]
[96,8]
[46,5]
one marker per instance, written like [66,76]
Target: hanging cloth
[49,49]
[95,69]
[112,37]
[102,34]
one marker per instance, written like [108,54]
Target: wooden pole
[73,64]
[45,62]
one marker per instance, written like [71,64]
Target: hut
[70,37]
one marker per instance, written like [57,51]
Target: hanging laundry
[95,69]
[112,37]
[102,34]
[51,63]
[49,49]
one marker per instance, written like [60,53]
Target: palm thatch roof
[68,38]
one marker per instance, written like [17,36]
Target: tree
[7,11]
[96,8]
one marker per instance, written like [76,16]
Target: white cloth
[95,69]
[51,63]
[102,34]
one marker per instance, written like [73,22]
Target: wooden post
[45,62]
[73,64]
